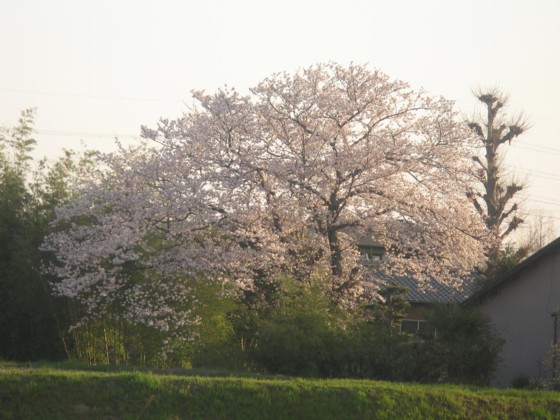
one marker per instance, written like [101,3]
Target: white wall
[521,312]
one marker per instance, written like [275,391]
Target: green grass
[72,391]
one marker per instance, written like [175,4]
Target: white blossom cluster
[246,186]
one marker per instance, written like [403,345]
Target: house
[371,251]
[524,307]
[420,295]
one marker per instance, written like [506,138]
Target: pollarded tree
[494,202]
[244,187]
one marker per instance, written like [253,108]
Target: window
[411,326]
[416,326]
[371,253]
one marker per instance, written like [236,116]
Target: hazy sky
[99,69]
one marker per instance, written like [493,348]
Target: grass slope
[62,392]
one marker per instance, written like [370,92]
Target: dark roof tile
[426,291]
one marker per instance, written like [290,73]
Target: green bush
[216,344]
[464,349]
[303,334]
[300,335]
[522,382]
[112,341]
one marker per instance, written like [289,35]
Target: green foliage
[375,347]
[29,326]
[465,348]
[16,144]
[282,326]
[549,373]
[390,312]
[509,258]
[61,392]
[300,334]
[32,322]
[55,182]
[303,334]
[459,347]
[522,382]
[112,341]
[216,344]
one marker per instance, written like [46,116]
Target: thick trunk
[336,253]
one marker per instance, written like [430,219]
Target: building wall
[521,309]
[417,311]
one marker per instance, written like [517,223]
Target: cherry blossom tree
[282,180]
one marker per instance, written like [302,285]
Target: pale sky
[100,69]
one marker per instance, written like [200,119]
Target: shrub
[300,335]
[464,349]
[522,382]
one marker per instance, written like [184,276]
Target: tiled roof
[426,291]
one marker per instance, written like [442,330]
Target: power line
[544,174]
[544,201]
[76,95]
[540,174]
[537,148]
[84,134]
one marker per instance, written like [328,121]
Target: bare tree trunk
[494,204]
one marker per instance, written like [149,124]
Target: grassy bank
[66,392]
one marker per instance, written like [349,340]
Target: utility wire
[84,134]
[539,174]
[542,200]
[526,171]
[75,95]
[537,148]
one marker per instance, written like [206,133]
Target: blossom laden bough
[280,180]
